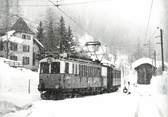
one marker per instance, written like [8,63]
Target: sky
[117,24]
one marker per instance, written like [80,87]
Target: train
[61,78]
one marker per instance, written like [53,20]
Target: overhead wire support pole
[162,53]
[7,24]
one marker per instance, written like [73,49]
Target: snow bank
[10,103]
[16,80]
[14,84]
[159,84]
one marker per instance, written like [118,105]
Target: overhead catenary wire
[148,21]
[74,21]
[64,4]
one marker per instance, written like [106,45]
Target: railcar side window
[76,69]
[66,68]
[55,67]
[44,69]
[73,68]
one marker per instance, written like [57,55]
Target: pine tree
[40,34]
[62,36]
[71,42]
[40,37]
[51,41]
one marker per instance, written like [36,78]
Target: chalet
[22,45]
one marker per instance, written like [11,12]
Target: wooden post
[29,86]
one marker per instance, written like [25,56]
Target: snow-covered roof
[38,42]
[22,26]
[11,38]
[107,62]
[141,61]
[147,61]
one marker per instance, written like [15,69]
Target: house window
[13,58]
[26,48]
[25,60]
[26,36]
[34,59]
[13,46]
[1,46]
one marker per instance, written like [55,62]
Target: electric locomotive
[61,78]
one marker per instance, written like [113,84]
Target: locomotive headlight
[57,86]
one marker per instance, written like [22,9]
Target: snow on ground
[144,100]
[17,79]
[106,105]
[14,84]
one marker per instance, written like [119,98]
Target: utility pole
[162,53]
[7,24]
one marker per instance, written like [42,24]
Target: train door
[109,78]
[55,77]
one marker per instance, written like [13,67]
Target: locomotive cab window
[44,69]
[55,68]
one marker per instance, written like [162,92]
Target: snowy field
[16,101]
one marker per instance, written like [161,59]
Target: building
[145,68]
[22,45]
[145,72]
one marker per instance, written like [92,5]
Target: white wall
[20,54]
